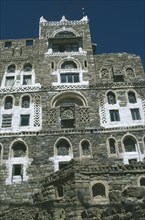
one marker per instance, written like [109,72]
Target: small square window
[29,42]
[8,44]
[118,78]
[62,165]
[24,120]
[114,115]
[135,114]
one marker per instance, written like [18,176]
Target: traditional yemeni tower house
[72,128]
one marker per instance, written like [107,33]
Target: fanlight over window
[64,34]
[69,65]
[27,67]
[63,147]
[11,68]
[130,144]
[18,149]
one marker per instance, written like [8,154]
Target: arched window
[112,146]
[69,65]
[129,71]
[27,67]
[142,181]
[63,148]
[85,145]
[98,189]
[111,98]
[129,144]
[25,102]
[8,102]
[18,150]
[131,97]
[11,68]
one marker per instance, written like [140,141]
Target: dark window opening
[111,98]
[118,78]
[68,65]
[65,34]
[9,81]
[68,47]
[29,42]
[142,181]
[98,190]
[130,145]
[60,192]
[85,148]
[8,44]
[132,97]
[135,114]
[63,148]
[132,161]
[24,120]
[27,67]
[11,69]
[27,80]
[52,65]
[85,63]
[69,77]
[17,170]
[62,165]
[114,115]
[68,123]
[25,102]
[19,150]
[112,146]
[8,102]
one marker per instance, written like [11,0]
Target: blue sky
[116,25]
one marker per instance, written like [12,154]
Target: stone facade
[72,128]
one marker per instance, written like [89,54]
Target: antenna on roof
[83,10]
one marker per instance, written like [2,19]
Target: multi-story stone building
[62,102]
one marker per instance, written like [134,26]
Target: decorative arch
[27,67]
[61,30]
[129,143]
[131,94]
[18,149]
[8,102]
[11,68]
[69,97]
[70,59]
[63,147]
[25,101]
[112,146]
[111,97]
[85,148]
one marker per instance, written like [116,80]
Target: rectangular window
[114,115]
[27,80]
[24,120]
[9,81]
[8,44]
[17,170]
[68,47]
[6,121]
[69,77]
[135,114]
[118,78]
[29,43]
